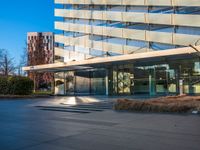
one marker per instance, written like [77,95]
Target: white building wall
[93,28]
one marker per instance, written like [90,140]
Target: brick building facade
[40,51]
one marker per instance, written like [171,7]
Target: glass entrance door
[140,80]
[59,83]
[195,78]
[190,73]
[122,80]
[161,77]
[120,84]
[69,83]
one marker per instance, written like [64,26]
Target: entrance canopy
[105,61]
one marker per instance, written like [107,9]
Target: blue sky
[17,17]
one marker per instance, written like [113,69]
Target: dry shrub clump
[164,104]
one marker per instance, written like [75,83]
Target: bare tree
[7,66]
[2,51]
[23,61]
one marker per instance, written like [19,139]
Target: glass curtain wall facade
[83,82]
[87,29]
[159,78]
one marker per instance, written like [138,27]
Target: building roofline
[36,33]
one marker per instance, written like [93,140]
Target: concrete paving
[26,125]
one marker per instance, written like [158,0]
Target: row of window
[121,41]
[147,9]
[37,37]
[135,43]
[138,26]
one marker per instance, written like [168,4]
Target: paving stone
[25,127]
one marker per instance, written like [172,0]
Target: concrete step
[70,108]
[91,106]
[65,110]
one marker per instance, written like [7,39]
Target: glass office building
[154,78]
[126,47]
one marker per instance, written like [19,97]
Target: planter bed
[175,104]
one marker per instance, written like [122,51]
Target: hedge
[4,85]
[16,85]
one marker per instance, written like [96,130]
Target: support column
[181,89]
[191,89]
[65,84]
[34,82]
[107,83]
[152,84]
[53,84]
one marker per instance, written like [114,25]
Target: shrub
[20,86]
[16,85]
[3,85]
[159,105]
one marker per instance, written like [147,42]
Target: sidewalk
[26,127]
